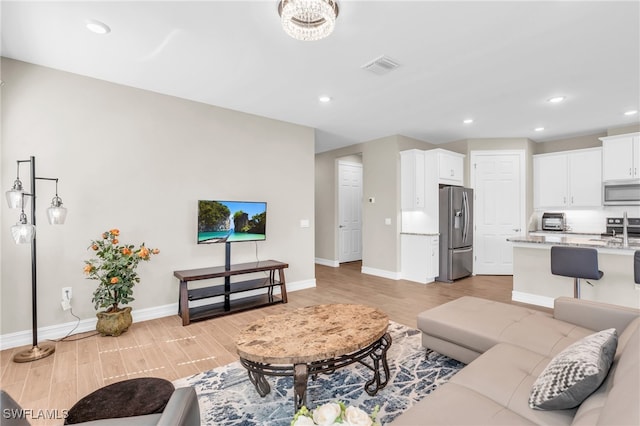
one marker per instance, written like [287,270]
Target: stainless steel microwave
[621,193]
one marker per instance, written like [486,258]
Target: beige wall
[381,179]
[326,201]
[580,142]
[139,161]
[622,130]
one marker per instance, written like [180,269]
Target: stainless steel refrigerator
[456,233]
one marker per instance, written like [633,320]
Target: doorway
[349,211]
[498,180]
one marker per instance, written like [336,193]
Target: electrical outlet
[66,298]
[67,292]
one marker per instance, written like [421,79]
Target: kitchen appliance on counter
[456,233]
[554,222]
[615,228]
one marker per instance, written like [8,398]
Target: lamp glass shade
[23,233]
[15,198]
[56,214]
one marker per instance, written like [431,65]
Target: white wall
[139,161]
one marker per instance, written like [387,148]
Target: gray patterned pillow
[575,373]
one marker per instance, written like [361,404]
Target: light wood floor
[164,348]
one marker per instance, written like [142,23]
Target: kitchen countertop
[541,232]
[578,241]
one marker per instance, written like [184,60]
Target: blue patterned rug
[227,397]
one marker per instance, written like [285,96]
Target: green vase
[114,323]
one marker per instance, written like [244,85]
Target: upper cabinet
[421,173]
[449,166]
[621,157]
[412,180]
[568,179]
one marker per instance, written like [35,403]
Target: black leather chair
[636,266]
[577,263]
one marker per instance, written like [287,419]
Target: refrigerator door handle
[463,250]
[465,210]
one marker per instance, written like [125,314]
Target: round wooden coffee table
[313,340]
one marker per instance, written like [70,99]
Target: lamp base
[35,353]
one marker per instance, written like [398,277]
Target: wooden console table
[228,288]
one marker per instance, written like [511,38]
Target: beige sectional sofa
[507,347]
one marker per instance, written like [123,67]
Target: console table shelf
[226,289]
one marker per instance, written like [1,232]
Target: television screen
[231,221]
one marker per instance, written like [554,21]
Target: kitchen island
[533,282]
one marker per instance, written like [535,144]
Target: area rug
[227,397]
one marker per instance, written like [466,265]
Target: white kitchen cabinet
[419,256]
[550,180]
[412,180]
[621,157]
[449,166]
[568,179]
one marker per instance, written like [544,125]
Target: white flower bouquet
[335,413]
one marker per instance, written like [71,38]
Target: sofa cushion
[575,373]
[493,389]
[454,328]
[621,406]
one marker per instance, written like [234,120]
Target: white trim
[381,273]
[532,299]
[327,262]
[300,285]
[21,338]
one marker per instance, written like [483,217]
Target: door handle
[341,226]
[464,250]
[516,230]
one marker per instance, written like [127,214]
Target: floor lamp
[24,233]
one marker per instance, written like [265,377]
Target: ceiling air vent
[381,65]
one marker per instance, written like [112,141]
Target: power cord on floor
[65,338]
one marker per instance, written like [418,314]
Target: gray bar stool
[636,266]
[577,263]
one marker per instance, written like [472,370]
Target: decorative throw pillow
[575,373]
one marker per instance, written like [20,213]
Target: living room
[139,160]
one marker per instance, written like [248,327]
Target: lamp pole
[36,352]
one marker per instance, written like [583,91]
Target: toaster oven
[554,222]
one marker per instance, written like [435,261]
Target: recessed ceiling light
[97,26]
[556,99]
[632,112]
[468,121]
[539,129]
[324,99]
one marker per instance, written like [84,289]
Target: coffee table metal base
[374,357]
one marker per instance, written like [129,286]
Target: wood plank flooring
[164,348]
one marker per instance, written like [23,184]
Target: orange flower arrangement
[115,270]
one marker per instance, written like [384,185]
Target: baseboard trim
[327,262]
[21,338]
[381,273]
[532,299]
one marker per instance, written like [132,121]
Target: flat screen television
[231,221]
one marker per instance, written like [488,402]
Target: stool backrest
[575,262]
[636,266]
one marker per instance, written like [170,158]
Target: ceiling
[494,62]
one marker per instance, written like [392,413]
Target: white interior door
[498,179]
[349,211]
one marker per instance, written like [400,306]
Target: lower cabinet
[419,257]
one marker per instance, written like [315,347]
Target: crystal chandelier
[308,19]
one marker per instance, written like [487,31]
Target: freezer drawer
[459,264]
